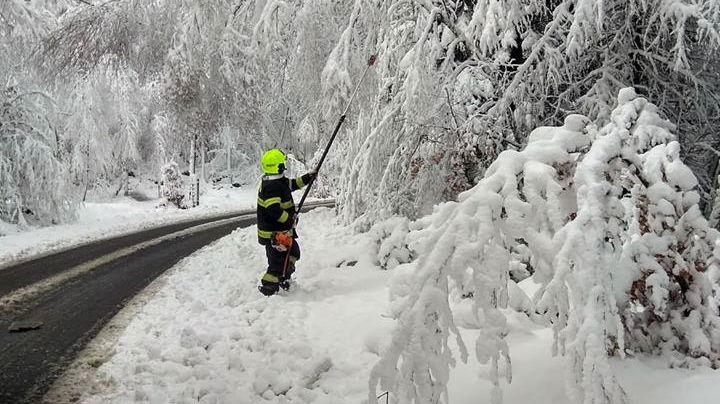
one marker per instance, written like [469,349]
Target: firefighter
[276,219]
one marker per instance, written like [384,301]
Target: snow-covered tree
[33,180]
[189,67]
[609,221]
[23,21]
[125,131]
[88,143]
[104,122]
[464,249]
[34,184]
[460,81]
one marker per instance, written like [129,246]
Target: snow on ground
[208,336]
[117,216]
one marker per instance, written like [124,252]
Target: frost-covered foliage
[295,39]
[172,185]
[670,245]
[140,79]
[579,298]
[102,129]
[459,82]
[22,21]
[635,257]
[608,220]
[109,34]
[33,181]
[232,157]
[235,77]
[465,249]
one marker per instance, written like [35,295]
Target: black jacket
[275,205]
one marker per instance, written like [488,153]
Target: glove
[311,176]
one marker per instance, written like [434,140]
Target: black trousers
[278,270]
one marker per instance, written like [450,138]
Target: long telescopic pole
[371,62]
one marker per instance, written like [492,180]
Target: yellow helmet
[273,162]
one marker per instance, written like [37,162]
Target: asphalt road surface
[80,291]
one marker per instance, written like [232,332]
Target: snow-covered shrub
[714,273]
[669,246]
[608,220]
[519,301]
[630,270]
[173,186]
[390,240]
[579,298]
[465,248]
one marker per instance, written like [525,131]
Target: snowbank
[114,217]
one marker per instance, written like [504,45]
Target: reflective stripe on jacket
[275,205]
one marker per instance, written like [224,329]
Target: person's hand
[312,175]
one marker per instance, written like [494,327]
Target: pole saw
[371,62]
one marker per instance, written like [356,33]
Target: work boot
[266,291]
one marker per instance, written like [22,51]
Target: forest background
[96,91]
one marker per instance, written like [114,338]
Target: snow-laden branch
[609,220]
[466,248]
